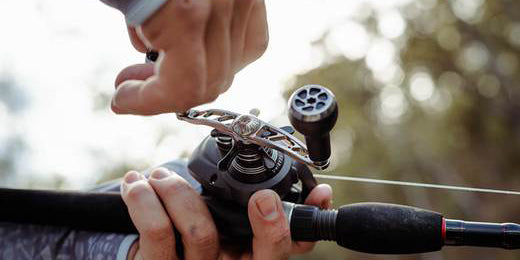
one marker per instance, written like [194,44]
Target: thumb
[272,237]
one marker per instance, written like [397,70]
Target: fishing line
[415,184]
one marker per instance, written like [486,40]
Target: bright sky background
[62,52]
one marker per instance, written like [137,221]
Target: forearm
[136,11]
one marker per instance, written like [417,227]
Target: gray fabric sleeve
[20,242]
[136,11]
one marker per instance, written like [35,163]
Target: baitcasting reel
[243,154]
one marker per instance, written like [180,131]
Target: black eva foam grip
[380,228]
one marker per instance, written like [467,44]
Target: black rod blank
[466,233]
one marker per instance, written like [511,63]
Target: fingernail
[267,206]
[132,177]
[160,173]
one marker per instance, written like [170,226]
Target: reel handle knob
[313,111]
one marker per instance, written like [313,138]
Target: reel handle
[313,111]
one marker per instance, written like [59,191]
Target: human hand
[166,200]
[202,45]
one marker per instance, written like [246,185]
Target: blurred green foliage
[445,110]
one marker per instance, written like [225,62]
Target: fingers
[135,40]
[150,219]
[128,84]
[135,72]
[189,214]
[177,30]
[176,21]
[175,88]
[218,47]
[141,97]
[257,35]
[271,238]
[202,44]
[320,196]
[241,12]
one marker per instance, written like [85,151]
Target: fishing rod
[243,154]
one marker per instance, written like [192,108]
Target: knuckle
[137,191]
[175,101]
[223,7]
[228,83]
[157,231]
[248,4]
[189,17]
[279,235]
[177,185]
[214,87]
[193,100]
[260,46]
[180,107]
[211,97]
[189,90]
[190,100]
[183,107]
[255,49]
[195,13]
[202,237]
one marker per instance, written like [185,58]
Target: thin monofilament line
[415,184]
